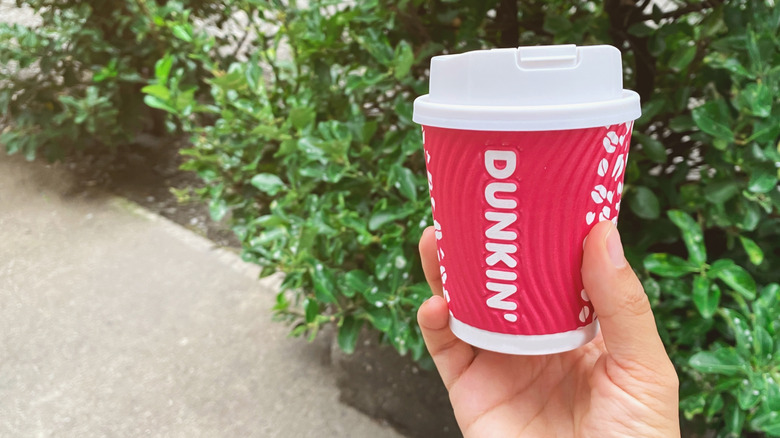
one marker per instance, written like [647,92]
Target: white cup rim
[527,118]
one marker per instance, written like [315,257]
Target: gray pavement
[115,322]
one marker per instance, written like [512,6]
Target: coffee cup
[526,150]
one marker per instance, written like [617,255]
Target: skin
[621,384]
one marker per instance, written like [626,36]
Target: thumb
[624,314]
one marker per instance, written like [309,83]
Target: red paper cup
[516,188]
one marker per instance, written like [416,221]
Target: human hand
[621,384]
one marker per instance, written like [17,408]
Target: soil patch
[388,387]
[147,172]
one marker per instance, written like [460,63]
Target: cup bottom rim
[524,344]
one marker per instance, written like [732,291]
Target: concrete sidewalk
[115,322]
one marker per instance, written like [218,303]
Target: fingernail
[615,248]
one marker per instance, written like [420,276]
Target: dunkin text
[500,243]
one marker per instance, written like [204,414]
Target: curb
[227,256]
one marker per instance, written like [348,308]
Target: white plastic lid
[528,89]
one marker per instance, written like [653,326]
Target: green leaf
[268,235]
[734,418]
[735,277]
[385,216]
[357,282]
[763,180]
[764,131]
[752,249]
[667,265]
[747,215]
[763,344]
[652,289]
[348,334]
[653,148]
[770,295]
[731,64]
[682,123]
[764,317]
[706,296]
[720,191]
[81,116]
[381,318]
[403,179]
[301,117]
[380,218]
[368,131]
[768,422]
[371,79]
[557,25]
[107,72]
[710,119]
[254,78]
[747,396]
[272,132]
[282,303]
[682,57]
[403,59]
[725,361]
[675,287]
[692,236]
[159,91]
[773,395]
[163,68]
[384,263]
[299,330]
[652,108]
[183,33]
[312,148]
[693,405]
[758,98]
[641,30]
[644,203]
[720,144]
[218,209]
[268,183]
[753,50]
[156,102]
[312,309]
[740,329]
[715,406]
[323,283]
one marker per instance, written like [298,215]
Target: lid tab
[563,56]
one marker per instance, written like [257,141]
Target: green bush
[75,80]
[314,154]
[308,148]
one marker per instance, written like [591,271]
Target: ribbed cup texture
[511,210]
